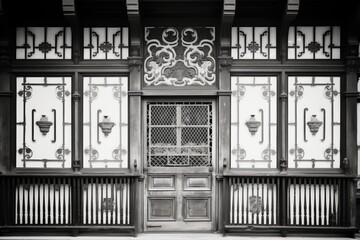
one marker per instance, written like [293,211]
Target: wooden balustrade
[69,201]
[286,203]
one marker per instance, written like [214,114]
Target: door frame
[214,213]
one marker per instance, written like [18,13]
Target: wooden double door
[179,167]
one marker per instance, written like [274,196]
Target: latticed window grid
[43,43]
[253,42]
[179,134]
[314,126]
[253,122]
[106,43]
[43,119]
[105,116]
[314,42]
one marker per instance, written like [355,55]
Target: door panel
[179,192]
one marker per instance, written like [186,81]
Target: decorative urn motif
[44,124]
[106,125]
[314,124]
[252,124]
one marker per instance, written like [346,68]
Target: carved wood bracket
[227,19]
[135,26]
[289,15]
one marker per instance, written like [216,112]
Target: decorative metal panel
[105,115]
[107,202]
[179,134]
[253,42]
[106,43]
[314,126]
[179,56]
[43,43]
[314,42]
[254,202]
[253,122]
[43,121]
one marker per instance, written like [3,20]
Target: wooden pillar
[135,108]
[224,96]
[5,93]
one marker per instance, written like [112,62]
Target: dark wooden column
[70,15]
[350,162]
[135,108]
[224,93]
[5,93]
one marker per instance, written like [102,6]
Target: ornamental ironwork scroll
[43,43]
[105,140]
[179,56]
[43,122]
[314,42]
[106,43]
[253,42]
[314,126]
[253,122]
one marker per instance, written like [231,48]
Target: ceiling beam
[227,19]
[289,15]
[70,14]
[135,27]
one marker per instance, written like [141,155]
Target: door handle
[153,226]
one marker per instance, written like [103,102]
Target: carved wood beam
[227,19]
[71,16]
[290,13]
[4,37]
[135,27]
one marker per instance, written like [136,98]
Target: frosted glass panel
[106,43]
[43,119]
[314,122]
[253,122]
[253,42]
[314,42]
[43,43]
[105,116]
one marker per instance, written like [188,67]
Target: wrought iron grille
[253,42]
[43,43]
[316,42]
[179,134]
[106,43]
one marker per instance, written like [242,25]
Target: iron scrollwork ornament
[180,57]
[314,124]
[106,125]
[252,124]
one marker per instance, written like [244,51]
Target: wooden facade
[183,149]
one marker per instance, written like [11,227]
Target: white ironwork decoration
[253,122]
[43,43]
[43,122]
[106,43]
[179,57]
[105,122]
[253,42]
[314,42]
[314,126]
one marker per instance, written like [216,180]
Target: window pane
[314,125]
[314,42]
[43,43]
[253,122]
[253,42]
[106,43]
[43,122]
[105,116]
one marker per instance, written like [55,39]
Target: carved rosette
[179,57]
